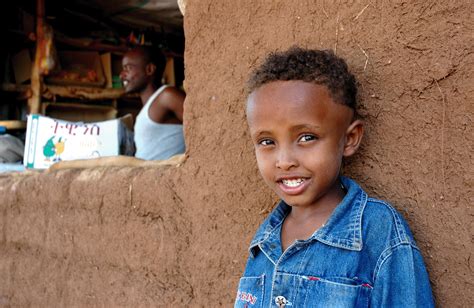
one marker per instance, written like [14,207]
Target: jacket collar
[343,228]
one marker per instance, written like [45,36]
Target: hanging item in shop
[48,55]
[136,40]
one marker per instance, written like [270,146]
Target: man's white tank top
[153,140]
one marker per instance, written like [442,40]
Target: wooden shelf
[10,125]
[88,93]
[11,87]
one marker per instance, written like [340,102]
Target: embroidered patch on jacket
[246,297]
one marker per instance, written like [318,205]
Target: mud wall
[178,236]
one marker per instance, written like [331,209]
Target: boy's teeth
[292,183]
[125,82]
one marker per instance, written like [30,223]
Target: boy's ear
[354,134]
[150,69]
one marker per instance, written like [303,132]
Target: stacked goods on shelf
[80,68]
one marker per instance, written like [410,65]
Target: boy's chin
[293,202]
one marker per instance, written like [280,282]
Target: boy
[326,244]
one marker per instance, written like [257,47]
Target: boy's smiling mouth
[293,185]
[293,182]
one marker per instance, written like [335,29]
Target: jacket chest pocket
[338,292]
[250,292]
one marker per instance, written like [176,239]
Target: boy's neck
[302,222]
[323,207]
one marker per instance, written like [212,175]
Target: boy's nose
[286,160]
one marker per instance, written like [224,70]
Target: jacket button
[280,301]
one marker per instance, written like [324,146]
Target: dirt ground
[178,236]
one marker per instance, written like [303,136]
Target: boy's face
[300,136]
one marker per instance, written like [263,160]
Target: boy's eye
[306,138]
[265,142]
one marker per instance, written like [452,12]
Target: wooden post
[34,103]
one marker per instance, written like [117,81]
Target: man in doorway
[158,127]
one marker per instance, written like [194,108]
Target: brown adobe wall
[178,236]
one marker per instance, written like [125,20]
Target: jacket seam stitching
[387,253]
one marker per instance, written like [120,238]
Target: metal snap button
[280,301]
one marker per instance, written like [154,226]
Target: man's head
[142,67]
[300,113]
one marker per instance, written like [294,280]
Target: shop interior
[62,59]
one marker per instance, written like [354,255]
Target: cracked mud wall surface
[179,236]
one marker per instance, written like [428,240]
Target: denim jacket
[364,256]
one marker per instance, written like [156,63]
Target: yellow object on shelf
[10,125]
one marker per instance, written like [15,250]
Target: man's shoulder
[170,98]
[170,92]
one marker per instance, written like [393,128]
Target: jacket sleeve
[401,280]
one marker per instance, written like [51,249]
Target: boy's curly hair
[321,67]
